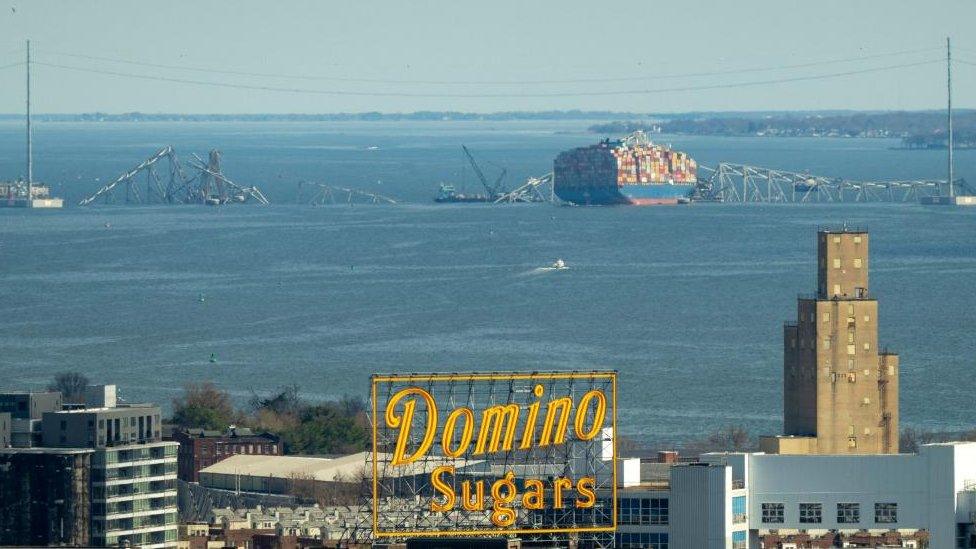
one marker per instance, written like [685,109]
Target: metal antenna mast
[30,152]
[949,111]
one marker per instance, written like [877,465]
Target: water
[686,302]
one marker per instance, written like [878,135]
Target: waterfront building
[128,485]
[753,500]
[26,409]
[287,475]
[840,388]
[200,448]
[44,496]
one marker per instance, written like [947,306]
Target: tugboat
[448,193]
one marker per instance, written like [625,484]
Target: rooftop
[105,409]
[346,468]
[843,229]
[46,450]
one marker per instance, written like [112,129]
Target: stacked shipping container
[625,171]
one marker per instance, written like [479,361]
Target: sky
[500,55]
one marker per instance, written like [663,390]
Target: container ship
[632,170]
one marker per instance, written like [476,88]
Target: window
[826,317]
[857,239]
[836,289]
[851,350]
[836,240]
[867,318]
[826,343]
[642,540]
[739,539]
[848,513]
[837,263]
[811,513]
[642,511]
[850,336]
[772,513]
[738,509]
[867,346]
[850,310]
[857,262]
[886,513]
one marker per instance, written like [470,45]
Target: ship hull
[636,195]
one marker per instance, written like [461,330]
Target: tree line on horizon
[921,130]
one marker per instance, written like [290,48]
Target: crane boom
[477,170]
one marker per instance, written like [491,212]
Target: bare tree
[71,385]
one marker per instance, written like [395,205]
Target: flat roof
[105,409]
[346,468]
[46,450]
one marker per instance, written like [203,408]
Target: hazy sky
[506,48]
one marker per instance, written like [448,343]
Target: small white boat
[559,264]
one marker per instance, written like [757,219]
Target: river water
[686,302]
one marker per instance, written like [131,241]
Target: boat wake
[558,266]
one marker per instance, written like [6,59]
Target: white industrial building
[731,500]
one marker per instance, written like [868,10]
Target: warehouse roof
[345,468]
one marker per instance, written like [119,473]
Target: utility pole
[949,111]
[30,157]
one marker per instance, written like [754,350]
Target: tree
[286,401]
[731,438]
[325,429]
[71,385]
[203,406]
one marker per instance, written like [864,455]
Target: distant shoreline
[447,116]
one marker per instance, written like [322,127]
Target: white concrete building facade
[729,501]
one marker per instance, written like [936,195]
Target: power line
[482,95]
[486,82]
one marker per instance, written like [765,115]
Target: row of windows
[857,263]
[136,488]
[642,540]
[642,511]
[232,449]
[133,506]
[847,513]
[138,539]
[136,454]
[132,472]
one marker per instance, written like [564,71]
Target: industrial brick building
[840,388]
[201,448]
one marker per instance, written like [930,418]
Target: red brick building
[200,448]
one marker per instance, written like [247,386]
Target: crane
[493,191]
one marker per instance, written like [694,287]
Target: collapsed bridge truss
[742,183]
[163,179]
